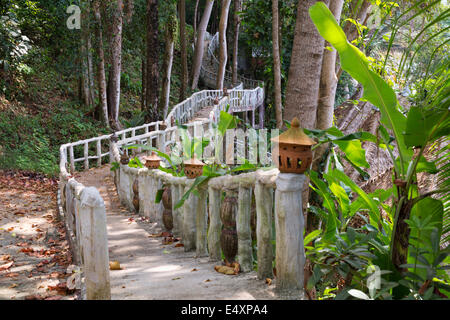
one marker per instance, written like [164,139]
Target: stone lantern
[193,168]
[295,154]
[152,162]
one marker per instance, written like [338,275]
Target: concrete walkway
[155,271]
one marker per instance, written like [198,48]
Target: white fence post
[94,241]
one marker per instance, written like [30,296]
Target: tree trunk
[276,64]
[85,92]
[327,87]
[325,107]
[237,23]
[199,47]
[304,72]
[101,64]
[84,72]
[116,62]
[195,18]
[171,28]
[223,43]
[302,90]
[144,80]
[184,66]
[152,62]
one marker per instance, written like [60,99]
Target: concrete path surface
[155,271]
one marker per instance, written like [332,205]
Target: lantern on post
[295,154]
[193,168]
[152,161]
[124,159]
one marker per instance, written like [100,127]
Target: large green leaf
[430,210]
[420,124]
[226,121]
[374,212]
[376,90]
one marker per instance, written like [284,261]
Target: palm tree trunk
[304,72]
[327,87]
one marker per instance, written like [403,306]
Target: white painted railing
[276,194]
[82,208]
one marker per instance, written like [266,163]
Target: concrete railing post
[201,224]
[215,225]
[243,228]
[289,224]
[189,219]
[177,228]
[94,241]
[264,206]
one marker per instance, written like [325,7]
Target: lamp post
[195,217]
[294,158]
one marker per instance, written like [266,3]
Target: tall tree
[86,59]
[302,90]
[101,78]
[223,43]
[195,17]
[276,64]
[328,85]
[170,30]
[152,62]
[113,91]
[184,65]
[237,23]
[200,43]
[304,71]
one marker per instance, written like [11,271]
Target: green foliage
[422,126]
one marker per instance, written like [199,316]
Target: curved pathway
[155,271]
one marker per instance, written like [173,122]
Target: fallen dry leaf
[11,275]
[53,298]
[179,245]
[207,280]
[13,286]
[114,265]
[225,270]
[268,281]
[6,266]
[194,270]
[6,257]
[155,235]
[26,250]
[34,297]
